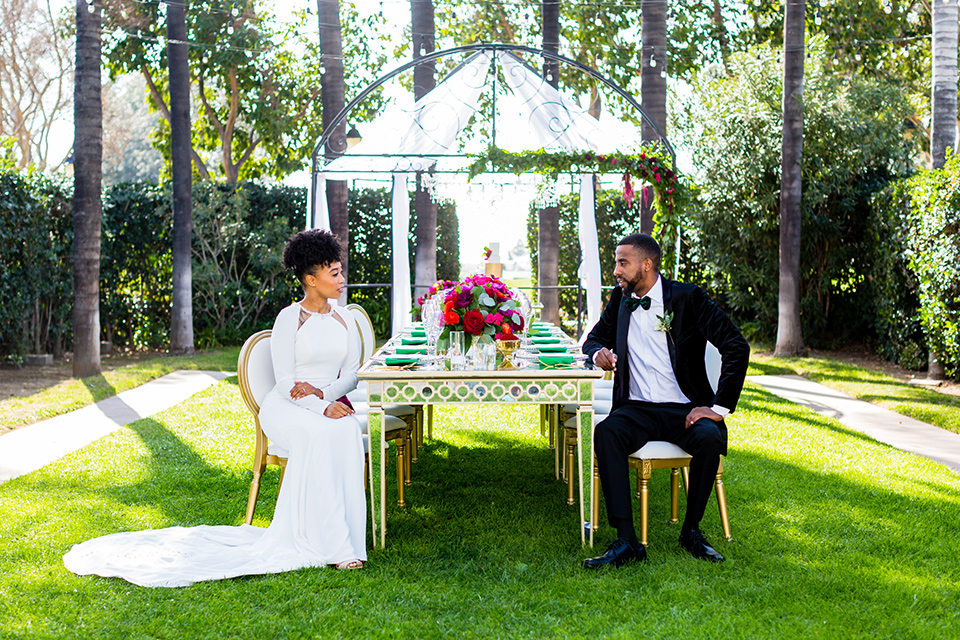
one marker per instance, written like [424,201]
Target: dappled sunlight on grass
[835,535]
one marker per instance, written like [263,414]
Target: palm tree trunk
[789,333]
[548,246]
[332,91]
[653,87]
[87,207]
[181,321]
[943,129]
[423,30]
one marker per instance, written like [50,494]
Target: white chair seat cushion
[659,450]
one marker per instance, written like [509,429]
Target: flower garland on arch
[650,167]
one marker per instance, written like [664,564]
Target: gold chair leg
[411,452]
[644,505]
[252,500]
[401,463]
[543,420]
[417,432]
[722,503]
[570,442]
[430,421]
[366,472]
[595,496]
[686,480]
[551,420]
[674,495]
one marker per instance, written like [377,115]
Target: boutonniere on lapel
[664,322]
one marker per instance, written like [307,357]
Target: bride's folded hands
[304,389]
[337,410]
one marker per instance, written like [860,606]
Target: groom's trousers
[633,424]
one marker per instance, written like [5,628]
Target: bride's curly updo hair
[309,249]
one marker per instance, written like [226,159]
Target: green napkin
[552,348]
[546,341]
[422,350]
[418,333]
[541,325]
[399,362]
[538,332]
[413,341]
[551,360]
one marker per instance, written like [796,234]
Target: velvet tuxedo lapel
[668,309]
[623,361]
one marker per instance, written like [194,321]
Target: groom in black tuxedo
[653,334]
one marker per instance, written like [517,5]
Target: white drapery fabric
[429,127]
[557,122]
[321,219]
[589,271]
[401,298]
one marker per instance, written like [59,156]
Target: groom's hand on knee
[698,413]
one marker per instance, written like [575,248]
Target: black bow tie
[633,303]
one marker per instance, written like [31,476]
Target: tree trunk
[548,261]
[943,129]
[87,207]
[332,97]
[653,88]
[423,31]
[181,320]
[789,333]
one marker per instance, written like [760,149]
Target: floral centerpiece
[434,289]
[483,308]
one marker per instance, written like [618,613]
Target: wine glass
[431,321]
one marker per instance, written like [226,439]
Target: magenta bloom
[464,298]
[494,318]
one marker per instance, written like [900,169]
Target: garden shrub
[853,148]
[36,282]
[933,251]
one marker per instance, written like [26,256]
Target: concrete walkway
[880,424]
[29,448]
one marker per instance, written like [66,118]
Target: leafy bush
[853,147]
[36,283]
[933,251]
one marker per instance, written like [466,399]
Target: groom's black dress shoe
[693,541]
[620,552]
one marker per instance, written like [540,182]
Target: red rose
[451,317]
[473,322]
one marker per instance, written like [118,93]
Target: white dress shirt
[651,373]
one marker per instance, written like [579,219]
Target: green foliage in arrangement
[853,147]
[933,245]
[371,239]
[487,546]
[614,221]
[36,282]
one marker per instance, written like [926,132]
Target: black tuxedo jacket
[696,319]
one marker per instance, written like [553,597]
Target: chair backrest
[255,370]
[368,341]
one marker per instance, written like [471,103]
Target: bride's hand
[304,389]
[337,410]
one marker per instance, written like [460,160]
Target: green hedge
[933,251]
[36,282]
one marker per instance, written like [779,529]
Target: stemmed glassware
[431,321]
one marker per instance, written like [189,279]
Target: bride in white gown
[320,517]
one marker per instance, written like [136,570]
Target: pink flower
[494,318]
[657,176]
[613,161]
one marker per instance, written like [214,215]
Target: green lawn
[77,393]
[917,402]
[835,536]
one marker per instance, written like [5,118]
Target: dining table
[547,371]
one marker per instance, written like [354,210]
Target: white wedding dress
[320,517]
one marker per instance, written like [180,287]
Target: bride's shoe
[347,565]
